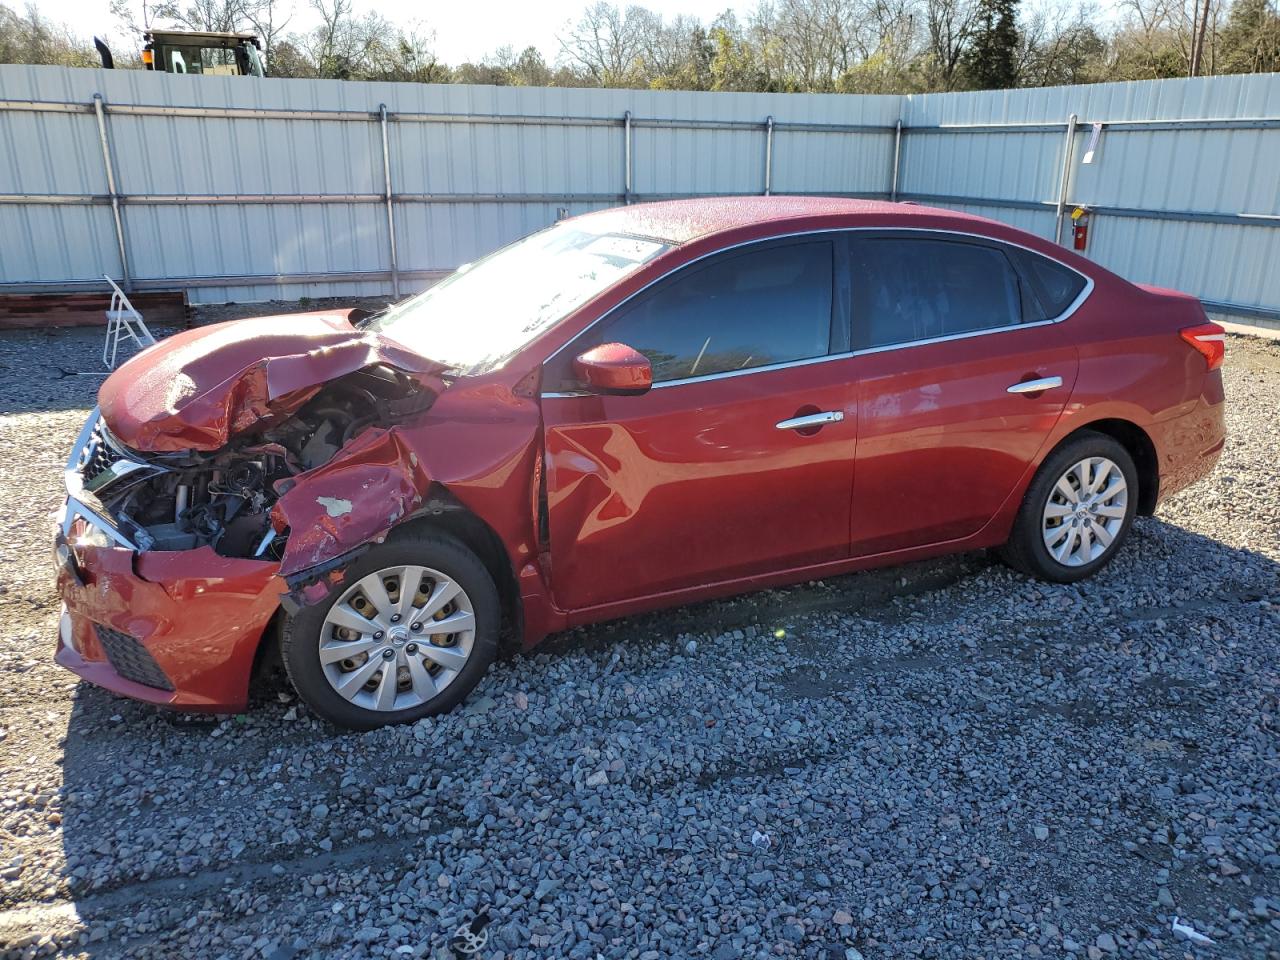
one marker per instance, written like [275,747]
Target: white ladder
[122,321]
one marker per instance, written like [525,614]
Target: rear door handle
[1036,386]
[811,420]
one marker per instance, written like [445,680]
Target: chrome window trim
[723,375]
[906,344]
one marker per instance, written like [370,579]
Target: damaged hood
[198,389]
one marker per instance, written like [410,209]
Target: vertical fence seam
[897,156]
[626,157]
[1068,149]
[768,155]
[391,218]
[100,111]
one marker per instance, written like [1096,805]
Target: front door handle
[811,420]
[1036,386]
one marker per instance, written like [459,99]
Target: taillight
[1210,340]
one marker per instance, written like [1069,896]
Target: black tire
[1026,550]
[300,640]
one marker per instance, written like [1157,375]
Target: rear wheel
[1077,511]
[407,634]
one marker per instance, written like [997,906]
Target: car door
[738,461]
[962,371]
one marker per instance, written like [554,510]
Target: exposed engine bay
[181,500]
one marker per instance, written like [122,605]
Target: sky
[463,31]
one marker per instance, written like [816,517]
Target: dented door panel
[695,483]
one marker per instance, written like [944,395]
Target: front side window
[477,317]
[906,289]
[751,308]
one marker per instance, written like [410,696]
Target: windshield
[480,315]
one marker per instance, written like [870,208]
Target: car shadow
[167,817]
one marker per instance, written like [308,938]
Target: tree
[673,55]
[607,44]
[950,25]
[268,22]
[737,62]
[1060,46]
[1251,38]
[845,46]
[288,59]
[215,16]
[34,38]
[530,70]
[1167,38]
[407,56]
[991,62]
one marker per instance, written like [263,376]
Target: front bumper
[197,616]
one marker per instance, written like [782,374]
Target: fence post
[1068,148]
[897,155]
[626,173]
[391,219]
[127,280]
[768,155]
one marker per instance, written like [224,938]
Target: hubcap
[1085,511]
[364,644]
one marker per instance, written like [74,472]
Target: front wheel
[1077,511]
[407,634]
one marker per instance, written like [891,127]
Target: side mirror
[614,368]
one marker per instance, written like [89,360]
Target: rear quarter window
[1056,286]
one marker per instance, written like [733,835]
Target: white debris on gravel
[951,760]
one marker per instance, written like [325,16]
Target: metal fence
[250,190]
[1183,185]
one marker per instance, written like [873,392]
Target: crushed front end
[149,611]
[178,541]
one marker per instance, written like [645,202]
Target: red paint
[614,368]
[1080,231]
[696,484]
[199,388]
[675,495]
[941,441]
[373,483]
[199,615]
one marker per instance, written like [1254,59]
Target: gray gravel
[941,760]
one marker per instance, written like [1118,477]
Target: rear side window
[741,310]
[1056,287]
[915,288]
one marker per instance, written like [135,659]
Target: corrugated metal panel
[1169,172]
[183,156]
[504,180]
[44,243]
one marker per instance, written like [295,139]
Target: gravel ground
[941,760]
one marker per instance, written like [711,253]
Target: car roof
[680,221]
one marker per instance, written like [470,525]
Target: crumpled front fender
[354,499]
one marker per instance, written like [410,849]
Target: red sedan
[632,409]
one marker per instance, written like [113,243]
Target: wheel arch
[1140,447]
[444,512]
